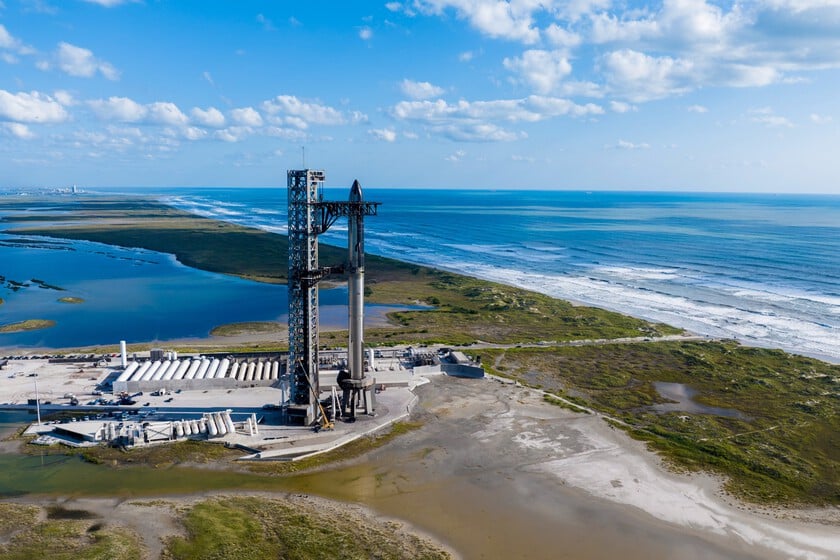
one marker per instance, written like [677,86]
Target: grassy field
[259,528]
[62,535]
[784,448]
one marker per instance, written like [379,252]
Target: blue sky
[573,94]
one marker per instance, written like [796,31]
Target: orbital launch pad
[310,216]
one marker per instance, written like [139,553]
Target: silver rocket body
[356,287]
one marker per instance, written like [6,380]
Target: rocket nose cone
[356,192]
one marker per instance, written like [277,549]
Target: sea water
[764,269]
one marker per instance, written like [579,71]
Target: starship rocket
[356,284]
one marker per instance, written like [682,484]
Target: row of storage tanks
[173,370]
[211,424]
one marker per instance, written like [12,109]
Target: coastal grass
[29,534]
[249,327]
[27,325]
[783,448]
[259,528]
[187,452]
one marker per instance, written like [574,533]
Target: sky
[681,95]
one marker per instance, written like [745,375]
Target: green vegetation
[786,448]
[564,403]
[28,325]
[255,528]
[71,300]
[251,327]
[159,456]
[63,535]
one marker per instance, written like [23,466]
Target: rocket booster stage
[356,285]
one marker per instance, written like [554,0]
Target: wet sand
[497,473]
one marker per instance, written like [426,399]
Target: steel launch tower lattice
[310,216]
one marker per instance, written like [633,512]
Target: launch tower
[310,216]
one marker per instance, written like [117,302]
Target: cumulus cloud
[621,107]
[166,113]
[477,120]
[512,20]
[543,70]
[820,119]
[385,134]
[288,109]
[19,130]
[365,33]
[120,109]
[6,39]
[246,116]
[210,117]
[420,90]
[80,62]
[33,107]
[697,109]
[640,77]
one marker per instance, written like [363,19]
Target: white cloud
[512,20]
[542,70]
[820,119]
[166,113]
[121,109]
[420,90]
[458,155]
[621,107]
[194,133]
[246,116]
[772,121]
[625,145]
[477,120]
[110,3]
[64,97]
[233,133]
[697,109]
[6,39]
[80,62]
[365,33]
[285,107]
[210,117]
[393,6]
[640,77]
[385,134]
[19,130]
[9,58]
[31,107]
[266,23]
[466,56]
[561,37]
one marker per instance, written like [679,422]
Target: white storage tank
[220,423]
[211,371]
[193,369]
[138,375]
[223,369]
[234,369]
[202,370]
[170,372]
[151,371]
[249,376]
[259,371]
[275,370]
[212,430]
[161,370]
[228,422]
[182,369]
[127,373]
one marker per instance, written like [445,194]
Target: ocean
[764,269]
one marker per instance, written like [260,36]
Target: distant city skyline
[682,95]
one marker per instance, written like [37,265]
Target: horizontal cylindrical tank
[161,370]
[151,371]
[202,425]
[258,373]
[228,422]
[275,370]
[202,370]
[179,430]
[193,369]
[234,370]
[126,374]
[182,369]
[220,423]
[194,427]
[170,371]
[211,371]
[212,430]
[223,369]
[137,375]
[249,375]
